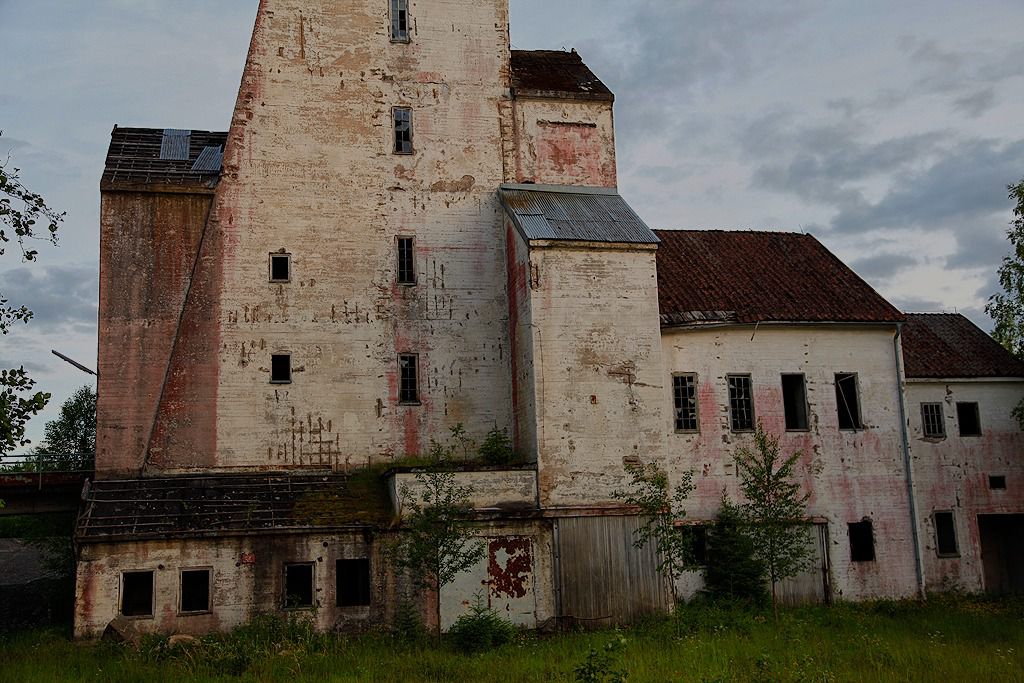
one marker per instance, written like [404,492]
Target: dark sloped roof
[552,73]
[748,277]
[196,506]
[940,345]
[573,214]
[157,156]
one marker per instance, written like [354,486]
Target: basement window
[969,419]
[684,393]
[353,582]
[195,591]
[280,267]
[945,534]
[406,261]
[399,21]
[298,585]
[281,368]
[741,403]
[408,379]
[862,541]
[794,402]
[997,482]
[933,421]
[403,129]
[137,594]
[848,401]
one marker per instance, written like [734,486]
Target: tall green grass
[950,638]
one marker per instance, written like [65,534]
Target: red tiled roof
[937,345]
[750,277]
[556,74]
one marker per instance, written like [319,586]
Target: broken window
[696,536]
[684,392]
[794,401]
[408,378]
[195,590]
[848,401]
[280,368]
[353,582]
[406,261]
[400,21]
[298,585]
[933,420]
[741,403]
[997,481]
[137,594]
[862,541]
[403,130]
[969,419]
[280,267]
[945,534]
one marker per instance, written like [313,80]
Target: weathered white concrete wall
[501,489]
[951,474]
[851,475]
[565,142]
[521,282]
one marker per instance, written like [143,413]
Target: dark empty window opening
[281,368]
[969,419]
[848,401]
[408,378]
[696,536]
[945,534]
[741,403]
[195,590]
[684,393]
[137,594]
[403,130]
[406,261]
[353,582]
[400,21]
[298,585]
[862,541]
[997,481]
[280,267]
[794,401]
[933,421]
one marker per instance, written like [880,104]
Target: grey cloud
[977,103]
[978,246]
[882,267]
[917,305]
[34,368]
[61,297]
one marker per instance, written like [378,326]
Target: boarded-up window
[862,541]
[684,392]
[352,581]
[280,267]
[408,378]
[400,21]
[403,130]
[933,422]
[195,590]
[969,419]
[280,368]
[741,403]
[298,585]
[794,401]
[137,594]
[945,534]
[406,261]
[848,401]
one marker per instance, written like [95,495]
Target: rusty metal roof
[138,157]
[224,505]
[718,276]
[553,73]
[581,214]
[948,345]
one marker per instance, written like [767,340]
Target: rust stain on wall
[509,566]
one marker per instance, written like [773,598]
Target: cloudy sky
[887,129]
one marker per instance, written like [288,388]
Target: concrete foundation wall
[492,489]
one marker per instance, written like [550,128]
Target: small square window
[741,403]
[933,421]
[408,379]
[406,261]
[353,582]
[848,401]
[400,21]
[403,130]
[969,419]
[195,591]
[945,534]
[280,267]
[137,594]
[684,395]
[280,368]
[298,585]
[997,481]
[794,402]
[862,541]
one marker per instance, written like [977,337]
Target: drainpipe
[918,561]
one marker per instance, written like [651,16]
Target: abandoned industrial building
[409,226]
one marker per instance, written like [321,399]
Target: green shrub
[602,665]
[408,626]
[733,571]
[497,448]
[481,629]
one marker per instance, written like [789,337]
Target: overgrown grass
[950,639]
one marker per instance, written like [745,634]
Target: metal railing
[69,463]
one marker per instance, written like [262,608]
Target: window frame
[411,241]
[337,583]
[806,404]
[859,422]
[394,131]
[871,534]
[181,591]
[270,267]
[956,536]
[675,403]
[416,375]
[924,420]
[152,594]
[750,398]
[312,586]
[394,6]
[977,419]
[283,354]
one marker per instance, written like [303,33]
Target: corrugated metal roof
[574,214]
[948,345]
[209,160]
[175,144]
